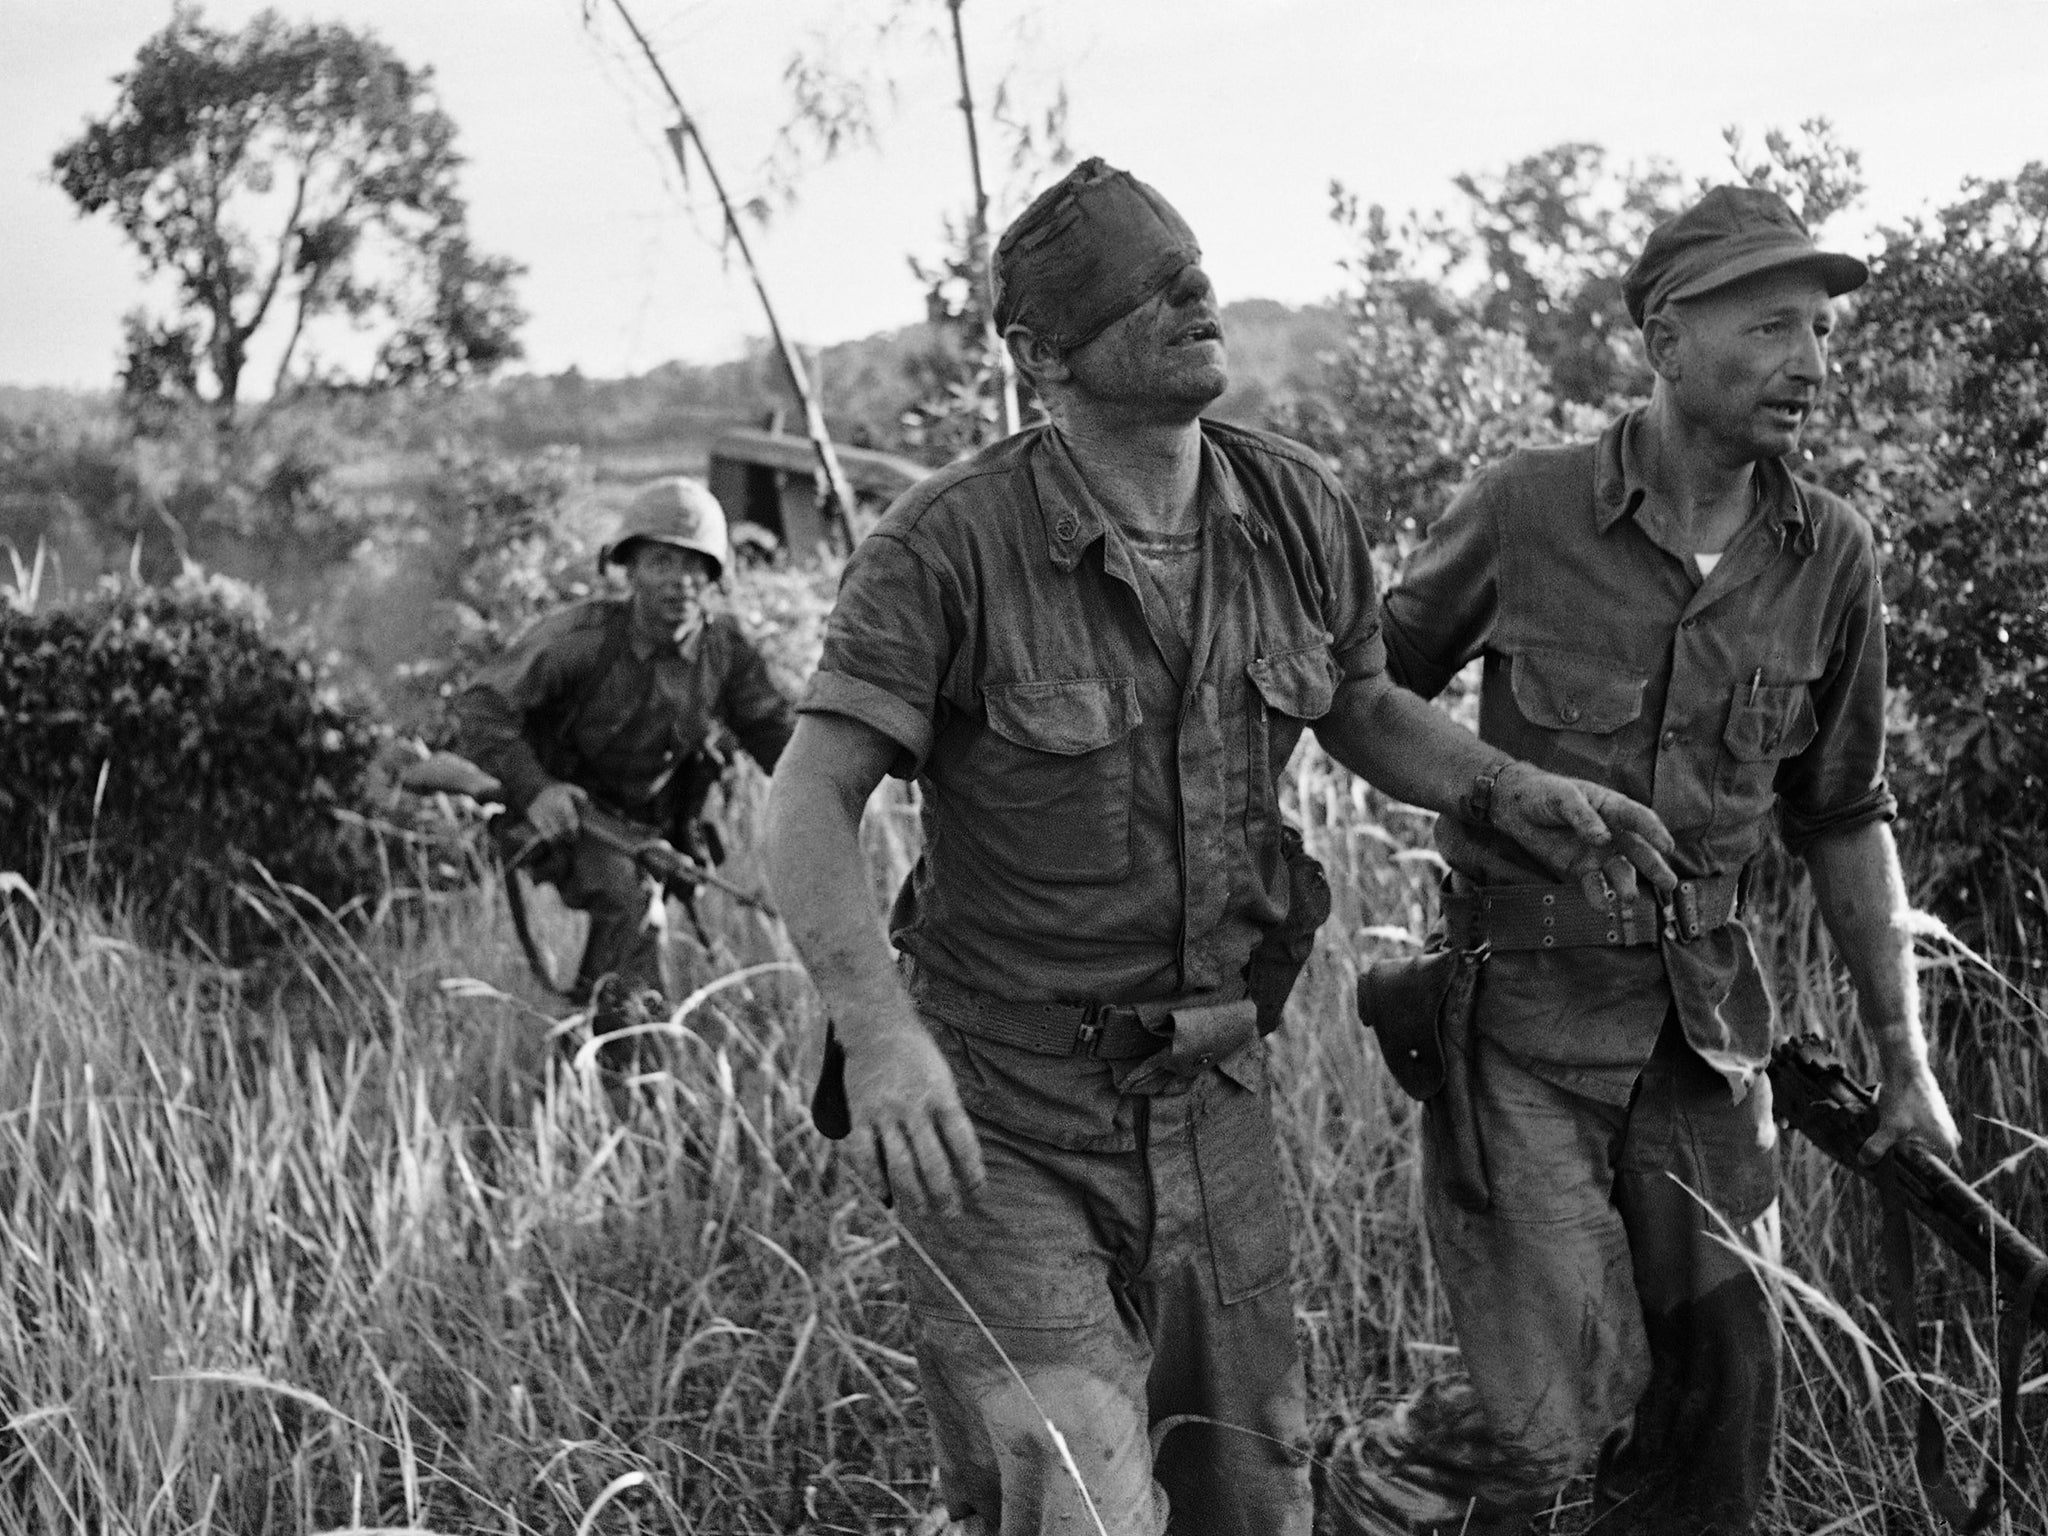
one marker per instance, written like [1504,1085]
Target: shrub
[511,539]
[1942,433]
[155,743]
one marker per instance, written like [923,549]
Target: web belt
[1108,1031]
[1505,917]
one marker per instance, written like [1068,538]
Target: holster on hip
[1420,1009]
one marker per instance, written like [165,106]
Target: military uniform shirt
[1716,700]
[1100,792]
[654,706]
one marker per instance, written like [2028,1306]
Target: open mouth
[1788,412]
[1205,329]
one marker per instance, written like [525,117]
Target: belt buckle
[1682,913]
[1095,1017]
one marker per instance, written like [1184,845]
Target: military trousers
[1141,1299]
[605,883]
[1601,1312]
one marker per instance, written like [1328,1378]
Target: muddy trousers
[1600,1316]
[1124,1305]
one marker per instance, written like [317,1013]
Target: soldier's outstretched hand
[1584,831]
[911,1139]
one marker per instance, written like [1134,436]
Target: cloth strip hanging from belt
[1108,1031]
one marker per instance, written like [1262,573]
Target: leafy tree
[968,393]
[1814,172]
[1423,390]
[287,176]
[1556,231]
[1941,430]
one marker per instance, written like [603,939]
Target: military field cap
[1730,234]
[677,511]
[1090,249]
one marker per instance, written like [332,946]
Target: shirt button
[1067,527]
[1688,624]
[1669,738]
[1568,711]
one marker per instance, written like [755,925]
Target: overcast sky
[1240,111]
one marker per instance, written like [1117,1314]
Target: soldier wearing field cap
[1668,611]
[608,701]
[1094,646]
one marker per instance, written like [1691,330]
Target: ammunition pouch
[1192,1038]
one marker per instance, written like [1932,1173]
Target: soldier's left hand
[1584,831]
[1910,1104]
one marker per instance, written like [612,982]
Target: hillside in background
[866,386]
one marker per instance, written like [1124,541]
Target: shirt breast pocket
[1581,701]
[1054,783]
[1294,687]
[1766,725]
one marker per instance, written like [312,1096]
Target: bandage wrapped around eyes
[1089,250]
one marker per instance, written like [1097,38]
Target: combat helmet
[678,511]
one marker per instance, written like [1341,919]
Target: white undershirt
[1706,563]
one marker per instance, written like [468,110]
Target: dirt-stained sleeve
[1439,612]
[1838,782]
[887,648]
[532,678]
[1354,607]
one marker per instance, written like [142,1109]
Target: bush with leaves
[511,538]
[156,744]
[1423,391]
[1941,431]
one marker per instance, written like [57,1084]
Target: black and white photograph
[1023,767]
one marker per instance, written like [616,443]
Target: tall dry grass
[349,1244]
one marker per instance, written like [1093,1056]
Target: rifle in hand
[1813,1093]
[656,856]
[678,874]
[448,773]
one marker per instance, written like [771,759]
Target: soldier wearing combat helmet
[606,703]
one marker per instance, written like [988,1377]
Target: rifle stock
[1814,1094]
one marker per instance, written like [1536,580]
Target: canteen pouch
[1421,1011]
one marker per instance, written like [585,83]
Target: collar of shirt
[645,649]
[1619,486]
[1073,521]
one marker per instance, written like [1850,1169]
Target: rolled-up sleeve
[1439,613]
[887,649]
[1354,609]
[1837,783]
